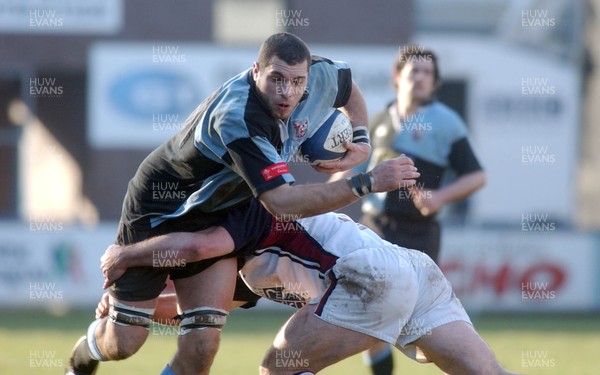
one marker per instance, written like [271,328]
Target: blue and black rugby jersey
[230,149]
[435,137]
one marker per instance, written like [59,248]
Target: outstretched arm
[309,200]
[175,247]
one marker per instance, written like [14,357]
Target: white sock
[91,341]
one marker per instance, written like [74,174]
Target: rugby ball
[327,142]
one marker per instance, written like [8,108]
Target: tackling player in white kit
[352,289]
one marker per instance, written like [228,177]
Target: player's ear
[395,76]
[255,70]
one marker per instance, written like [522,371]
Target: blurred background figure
[435,137]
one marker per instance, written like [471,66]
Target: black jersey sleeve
[333,71]
[248,225]
[344,87]
[462,158]
[262,172]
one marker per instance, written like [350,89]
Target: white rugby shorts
[394,294]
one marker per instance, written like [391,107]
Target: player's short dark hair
[413,52]
[286,46]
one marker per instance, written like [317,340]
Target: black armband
[360,135]
[361,184]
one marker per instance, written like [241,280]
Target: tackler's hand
[111,265]
[102,308]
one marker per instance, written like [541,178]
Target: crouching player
[352,289]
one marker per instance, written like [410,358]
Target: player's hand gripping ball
[327,142]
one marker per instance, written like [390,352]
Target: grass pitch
[35,342]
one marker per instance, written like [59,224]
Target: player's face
[416,80]
[280,85]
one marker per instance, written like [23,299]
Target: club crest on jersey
[300,128]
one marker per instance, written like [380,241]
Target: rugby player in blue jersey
[233,147]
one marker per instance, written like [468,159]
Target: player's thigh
[456,348]
[212,290]
[213,287]
[306,342]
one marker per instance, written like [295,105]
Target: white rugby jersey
[288,261]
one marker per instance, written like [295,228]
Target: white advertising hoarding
[50,264]
[529,270]
[47,263]
[142,93]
